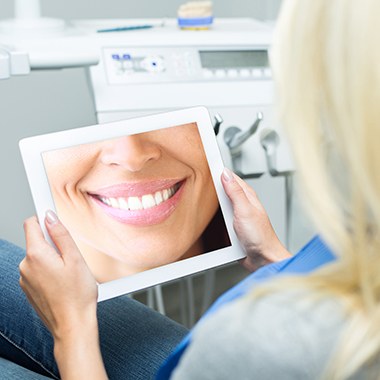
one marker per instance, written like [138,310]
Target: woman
[300,327]
[137,202]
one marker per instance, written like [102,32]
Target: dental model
[195,15]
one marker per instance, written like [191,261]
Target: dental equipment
[270,140]
[128,28]
[13,62]
[28,21]
[5,66]
[48,42]
[234,138]
[195,15]
[218,120]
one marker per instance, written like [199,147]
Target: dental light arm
[28,21]
[26,9]
[13,62]
[49,42]
[5,66]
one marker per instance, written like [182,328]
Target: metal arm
[13,62]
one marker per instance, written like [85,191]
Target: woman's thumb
[60,236]
[235,192]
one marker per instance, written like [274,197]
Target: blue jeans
[134,339]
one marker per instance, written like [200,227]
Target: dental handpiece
[234,137]
[240,138]
[269,140]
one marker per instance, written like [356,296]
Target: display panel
[215,59]
[130,193]
[139,201]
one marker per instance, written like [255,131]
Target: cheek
[210,199]
[202,170]
[204,186]
[190,152]
[67,167]
[65,176]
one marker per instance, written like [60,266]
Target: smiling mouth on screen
[140,204]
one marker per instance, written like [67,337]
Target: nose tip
[130,152]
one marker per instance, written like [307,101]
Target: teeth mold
[195,15]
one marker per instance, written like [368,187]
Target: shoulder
[287,335]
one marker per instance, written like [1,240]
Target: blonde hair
[326,63]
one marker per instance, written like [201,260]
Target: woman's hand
[252,225]
[59,285]
[63,291]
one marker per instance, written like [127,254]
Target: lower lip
[145,217]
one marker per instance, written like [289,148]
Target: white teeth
[134,203]
[165,194]
[145,202]
[114,202]
[158,197]
[123,204]
[106,201]
[148,201]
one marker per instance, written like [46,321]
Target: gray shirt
[283,336]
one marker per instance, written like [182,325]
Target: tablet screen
[137,202]
[142,197]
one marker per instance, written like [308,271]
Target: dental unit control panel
[225,69]
[142,65]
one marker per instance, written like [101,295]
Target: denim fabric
[12,371]
[134,339]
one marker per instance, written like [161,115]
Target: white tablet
[142,198]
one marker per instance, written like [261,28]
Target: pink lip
[146,217]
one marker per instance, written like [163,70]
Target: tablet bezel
[32,149]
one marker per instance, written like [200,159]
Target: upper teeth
[140,203]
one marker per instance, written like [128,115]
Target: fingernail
[51,217]
[227,175]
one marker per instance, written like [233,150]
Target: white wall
[54,100]
[69,9]
[39,103]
